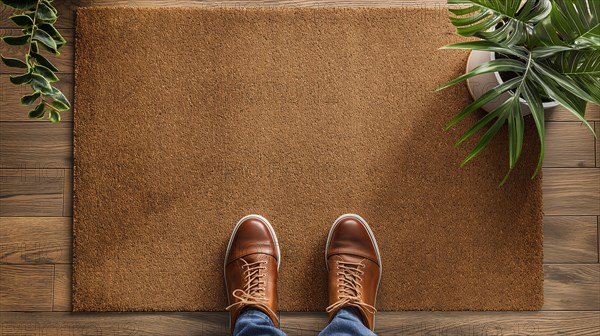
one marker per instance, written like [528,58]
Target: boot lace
[349,278]
[253,293]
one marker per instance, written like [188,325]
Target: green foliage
[554,51]
[36,22]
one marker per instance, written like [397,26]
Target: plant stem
[28,57]
[33,27]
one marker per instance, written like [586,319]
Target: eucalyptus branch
[37,27]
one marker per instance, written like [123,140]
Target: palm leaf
[508,20]
[572,23]
[484,99]
[487,67]
[534,102]
[583,67]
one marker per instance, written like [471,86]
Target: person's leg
[253,322]
[353,273]
[251,267]
[346,322]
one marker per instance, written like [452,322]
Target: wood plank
[65,62]
[68,193]
[597,130]
[592,113]
[387,323]
[572,287]
[36,145]
[62,288]
[66,14]
[570,239]
[26,287]
[569,145]
[35,240]
[12,110]
[571,191]
[460,323]
[31,192]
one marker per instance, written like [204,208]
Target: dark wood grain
[572,287]
[31,192]
[26,287]
[570,239]
[460,323]
[572,191]
[402,323]
[35,240]
[62,288]
[68,193]
[36,145]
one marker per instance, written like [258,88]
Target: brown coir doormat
[188,119]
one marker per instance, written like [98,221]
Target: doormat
[188,119]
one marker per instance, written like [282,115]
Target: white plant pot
[480,84]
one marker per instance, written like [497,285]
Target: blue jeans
[254,322]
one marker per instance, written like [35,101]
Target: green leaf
[45,13]
[38,112]
[571,102]
[489,46]
[484,99]
[20,4]
[39,83]
[479,125]
[509,19]
[34,46]
[582,67]
[534,101]
[547,51]
[577,21]
[45,72]
[515,129]
[48,3]
[496,65]
[564,81]
[13,62]
[23,21]
[59,96]
[490,133]
[21,79]
[54,116]
[43,61]
[30,99]
[58,38]
[45,39]
[60,105]
[16,40]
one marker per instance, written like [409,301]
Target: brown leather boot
[251,264]
[354,267]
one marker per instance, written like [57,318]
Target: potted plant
[529,56]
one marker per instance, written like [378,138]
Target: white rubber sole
[371,235]
[237,226]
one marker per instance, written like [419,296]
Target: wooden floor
[35,228]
